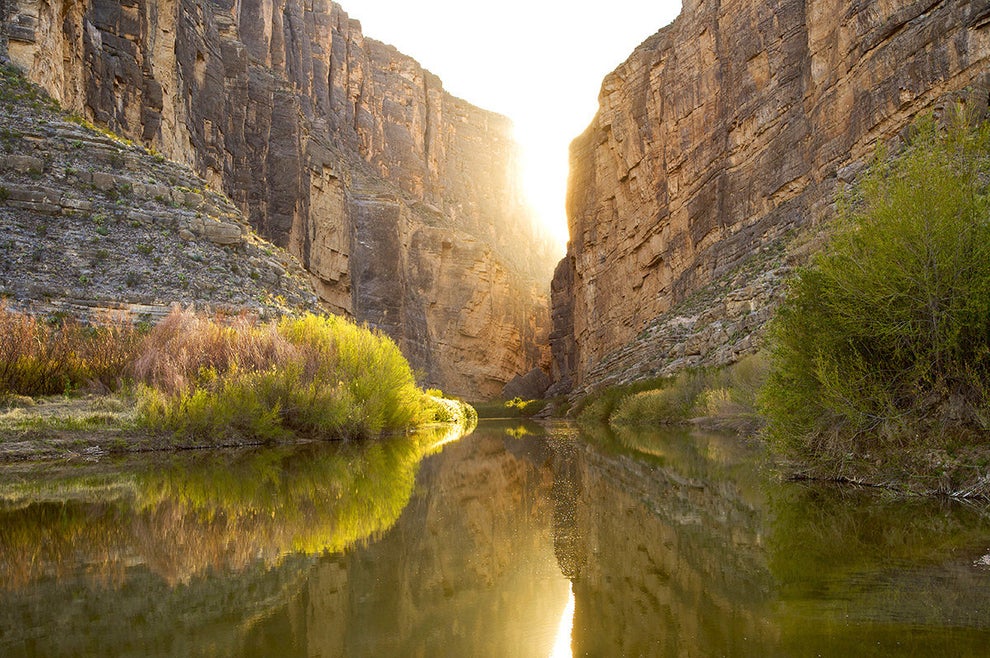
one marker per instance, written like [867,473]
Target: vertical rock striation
[723,131]
[400,200]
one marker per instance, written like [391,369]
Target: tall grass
[312,375]
[46,357]
[724,397]
[228,379]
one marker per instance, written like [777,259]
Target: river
[517,540]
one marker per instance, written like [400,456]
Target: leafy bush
[230,378]
[884,339]
[599,406]
[442,409]
[723,397]
[656,407]
[674,402]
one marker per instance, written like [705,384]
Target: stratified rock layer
[726,129]
[90,223]
[400,200]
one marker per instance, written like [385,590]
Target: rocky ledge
[90,221]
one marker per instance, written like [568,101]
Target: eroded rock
[299,118]
[728,128]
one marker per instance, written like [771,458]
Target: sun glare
[537,64]
[562,645]
[544,178]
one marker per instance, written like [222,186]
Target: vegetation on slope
[718,397]
[883,342]
[89,220]
[880,353]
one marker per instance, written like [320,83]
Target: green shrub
[657,407]
[884,340]
[441,409]
[723,397]
[310,375]
[599,406]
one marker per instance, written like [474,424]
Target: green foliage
[656,407]
[228,380]
[185,514]
[310,375]
[599,406]
[14,87]
[526,408]
[514,408]
[885,338]
[441,409]
[723,397]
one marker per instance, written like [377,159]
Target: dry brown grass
[174,354]
[50,356]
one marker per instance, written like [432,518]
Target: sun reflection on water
[562,645]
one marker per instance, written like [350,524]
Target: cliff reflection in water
[683,545]
[667,556]
[512,541]
[312,551]
[468,570]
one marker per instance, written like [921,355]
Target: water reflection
[519,540]
[691,547]
[671,560]
[311,551]
[195,512]
[468,570]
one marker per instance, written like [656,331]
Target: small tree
[884,339]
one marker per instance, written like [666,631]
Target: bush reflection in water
[195,512]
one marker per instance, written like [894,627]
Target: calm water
[513,541]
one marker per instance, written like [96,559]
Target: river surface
[517,541]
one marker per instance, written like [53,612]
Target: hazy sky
[541,63]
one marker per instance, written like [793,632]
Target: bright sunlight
[529,60]
[562,643]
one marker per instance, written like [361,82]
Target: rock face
[91,223]
[722,132]
[399,199]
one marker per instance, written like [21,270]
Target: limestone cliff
[91,223]
[400,200]
[719,134]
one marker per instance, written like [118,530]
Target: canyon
[711,169]
[401,201]
[722,137]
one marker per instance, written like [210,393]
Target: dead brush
[110,344]
[172,357]
[37,358]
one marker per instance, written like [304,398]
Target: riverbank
[725,400]
[89,427]
[195,381]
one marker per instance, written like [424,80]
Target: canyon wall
[401,201]
[719,135]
